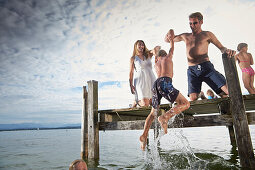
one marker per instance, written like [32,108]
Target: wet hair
[241,45]
[197,15]
[145,50]
[161,53]
[78,164]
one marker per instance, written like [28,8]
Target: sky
[50,49]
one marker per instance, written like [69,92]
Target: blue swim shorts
[163,87]
[204,72]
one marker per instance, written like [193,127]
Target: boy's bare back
[164,63]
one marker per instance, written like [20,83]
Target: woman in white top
[141,76]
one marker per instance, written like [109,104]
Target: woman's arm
[150,53]
[131,74]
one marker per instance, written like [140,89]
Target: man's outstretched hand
[169,36]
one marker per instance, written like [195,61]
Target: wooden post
[232,135]
[84,126]
[225,108]
[93,125]
[243,138]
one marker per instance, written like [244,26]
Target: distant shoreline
[43,128]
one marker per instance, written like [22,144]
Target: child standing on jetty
[245,61]
[163,88]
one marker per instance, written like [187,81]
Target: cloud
[50,49]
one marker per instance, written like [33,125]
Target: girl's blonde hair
[145,50]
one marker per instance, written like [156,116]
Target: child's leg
[247,82]
[182,104]
[147,125]
[144,102]
[225,89]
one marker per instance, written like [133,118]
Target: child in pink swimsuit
[245,61]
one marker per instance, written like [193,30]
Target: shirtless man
[200,68]
[163,88]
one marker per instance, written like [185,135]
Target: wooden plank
[143,111]
[93,125]
[122,125]
[213,120]
[84,126]
[205,106]
[189,121]
[116,117]
[251,118]
[249,101]
[242,133]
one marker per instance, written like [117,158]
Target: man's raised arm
[177,38]
[217,43]
[171,40]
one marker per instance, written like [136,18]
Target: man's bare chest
[197,40]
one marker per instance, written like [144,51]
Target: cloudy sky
[49,49]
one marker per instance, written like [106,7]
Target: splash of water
[172,150]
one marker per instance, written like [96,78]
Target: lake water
[181,148]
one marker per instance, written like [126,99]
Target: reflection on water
[234,157]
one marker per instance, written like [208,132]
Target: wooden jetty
[233,112]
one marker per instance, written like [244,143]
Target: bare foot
[223,95]
[143,142]
[163,123]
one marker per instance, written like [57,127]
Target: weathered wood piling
[84,125]
[232,112]
[242,133]
[90,124]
